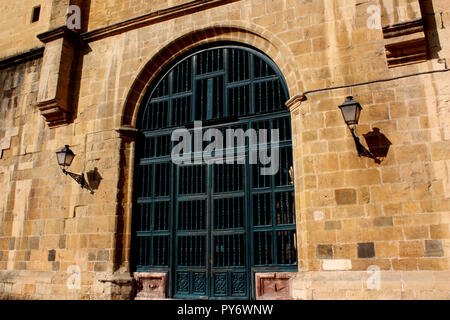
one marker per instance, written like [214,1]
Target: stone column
[298,106]
[279,285]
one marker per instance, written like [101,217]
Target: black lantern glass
[65,156]
[350,111]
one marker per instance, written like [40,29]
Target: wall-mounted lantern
[351,110]
[65,157]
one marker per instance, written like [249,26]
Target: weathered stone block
[332,225]
[411,248]
[345,196]
[336,264]
[439,231]
[433,248]
[51,255]
[416,232]
[33,243]
[324,251]
[366,250]
[383,221]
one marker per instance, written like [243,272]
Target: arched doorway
[211,223]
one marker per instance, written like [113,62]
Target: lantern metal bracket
[79,178]
[362,151]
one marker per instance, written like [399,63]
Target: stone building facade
[368,227]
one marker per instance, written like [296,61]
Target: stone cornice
[402,28]
[21,58]
[61,32]
[405,43]
[151,18]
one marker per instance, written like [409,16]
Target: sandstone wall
[394,213]
[104,13]
[17,33]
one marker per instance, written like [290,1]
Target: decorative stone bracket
[405,43]
[295,102]
[150,285]
[57,75]
[274,286]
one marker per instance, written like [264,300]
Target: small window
[36,13]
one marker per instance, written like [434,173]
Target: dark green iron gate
[211,226]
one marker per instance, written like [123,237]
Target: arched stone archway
[259,39]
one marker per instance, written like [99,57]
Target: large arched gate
[212,225]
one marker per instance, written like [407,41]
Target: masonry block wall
[355,215]
[17,32]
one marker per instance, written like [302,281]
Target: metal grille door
[191,235]
[212,225]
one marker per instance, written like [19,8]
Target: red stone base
[274,285]
[150,285]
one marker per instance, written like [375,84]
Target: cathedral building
[224,149]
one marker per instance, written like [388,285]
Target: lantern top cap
[65,148]
[350,101]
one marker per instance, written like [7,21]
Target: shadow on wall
[378,144]
[93,178]
[431,29]
[77,63]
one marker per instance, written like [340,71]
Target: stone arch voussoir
[257,37]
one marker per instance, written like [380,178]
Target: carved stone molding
[150,285]
[128,132]
[53,113]
[405,43]
[274,285]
